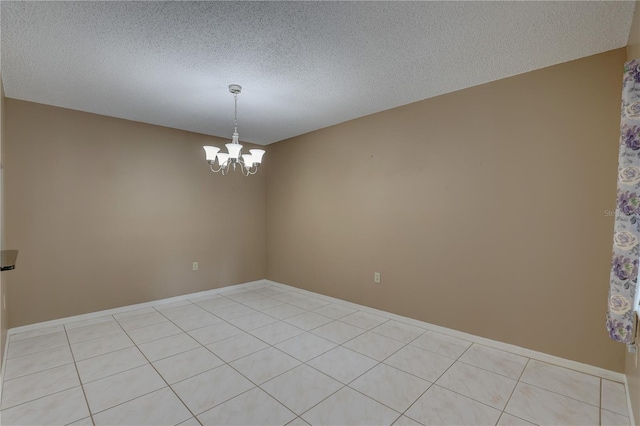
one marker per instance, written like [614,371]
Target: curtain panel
[626,238]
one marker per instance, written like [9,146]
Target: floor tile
[276,332]
[203,391]
[89,321]
[187,364]
[482,385]
[237,346]
[507,419]
[390,386]
[37,344]
[39,361]
[269,292]
[215,332]
[421,363]
[137,321]
[439,406]
[88,332]
[442,345]
[283,311]
[113,390]
[190,422]
[35,333]
[495,360]
[338,332]
[263,303]
[229,292]
[305,346]
[614,397]
[252,321]
[229,312]
[364,320]
[195,321]
[544,407]
[254,407]
[153,332]
[182,311]
[348,407]
[110,363]
[264,365]
[342,364]
[308,320]
[374,345]
[309,303]
[58,409]
[399,331]
[123,388]
[289,297]
[102,345]
[580,386]
[608,418]
[301,388]
[161,407]
[213,304]
[82,422]
[406,421]
[168,346]
[245,296]
[297,422]
[334,311]
[37,385]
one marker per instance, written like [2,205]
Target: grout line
[600,401]
[514,388]
[41,371]
[75,366]
[163,379]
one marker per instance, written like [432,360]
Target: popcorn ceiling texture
[303,65]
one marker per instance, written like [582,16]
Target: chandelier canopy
[248,163]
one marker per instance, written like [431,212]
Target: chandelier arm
[214,171]
[244,169]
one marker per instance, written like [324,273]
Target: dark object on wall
[8,261]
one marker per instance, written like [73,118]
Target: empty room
[319,213]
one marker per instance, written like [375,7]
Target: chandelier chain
[235,112]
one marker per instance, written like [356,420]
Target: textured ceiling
[303,65]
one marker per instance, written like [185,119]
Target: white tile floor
[271,355]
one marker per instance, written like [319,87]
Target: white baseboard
[75,318]
[529,353]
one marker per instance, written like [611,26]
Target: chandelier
[248,163]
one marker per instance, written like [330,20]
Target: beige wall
[109,212]
[484,209]
[4,317]
[631,369]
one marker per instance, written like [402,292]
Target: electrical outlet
[376,277]
[195,266]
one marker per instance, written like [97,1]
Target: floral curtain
[626,251]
